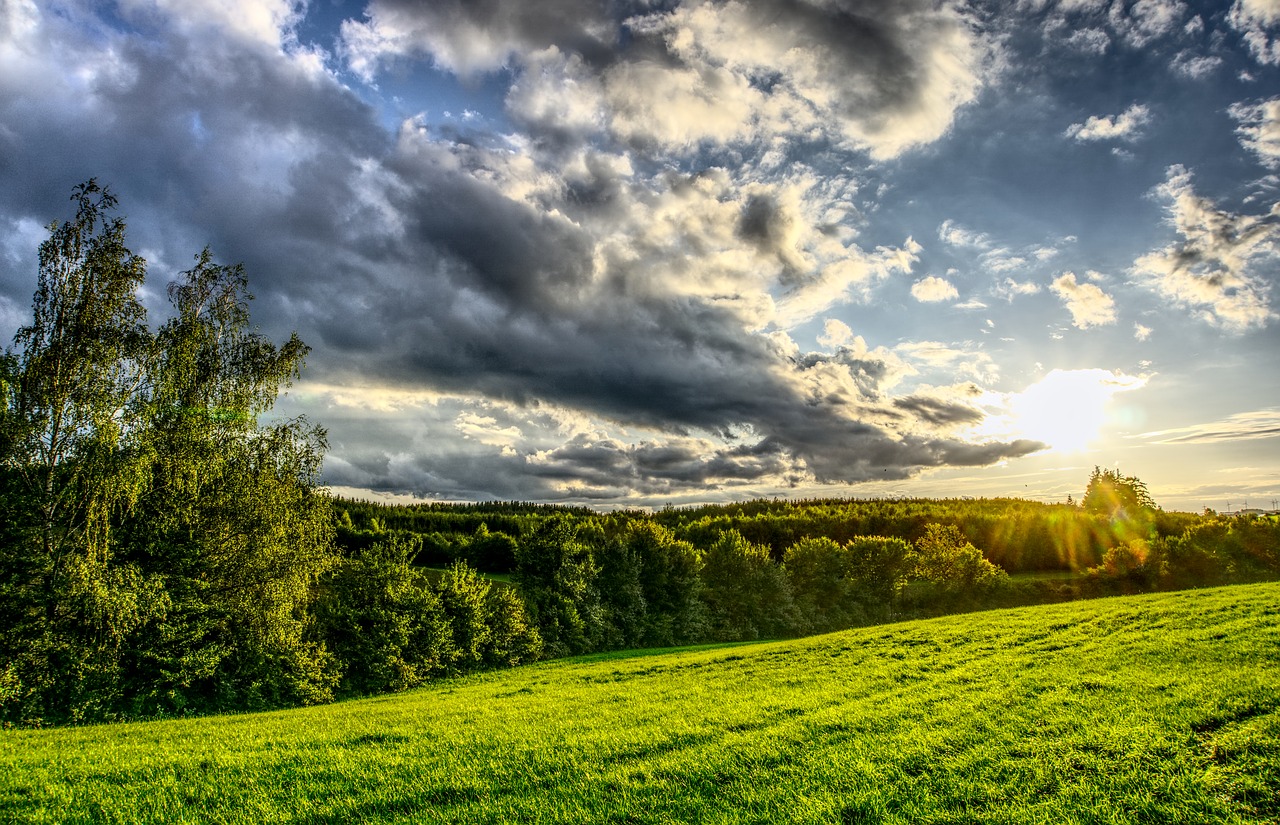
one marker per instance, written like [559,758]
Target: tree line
[165,547]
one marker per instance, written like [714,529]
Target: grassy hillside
[1161,708]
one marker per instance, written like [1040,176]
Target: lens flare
[1068,408]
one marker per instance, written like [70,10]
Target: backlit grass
[1161,708]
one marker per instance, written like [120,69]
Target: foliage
[1153,709]
[843,585]
[672,585]
[383,620]
[556,574]
[464,598]
[513,638]
[1124,501]
[160,544]
[748,596]
[945,571]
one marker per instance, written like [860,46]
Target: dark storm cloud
[937,411]
[418,262]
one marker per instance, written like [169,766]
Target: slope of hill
[1162,708]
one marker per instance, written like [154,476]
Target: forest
[166,547]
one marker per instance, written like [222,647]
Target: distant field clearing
[1162,708]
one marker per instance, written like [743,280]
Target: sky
[632,253]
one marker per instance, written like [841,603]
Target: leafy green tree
[513,639]
[556,574]
[945,570]
[819,572]
[838,586]
[383,621]
[625,610]
[69,469]
[161,545]
[747,594]
[878,565]
[1116,496]
[670,578]
[231,515]
[1124,502]
[492,552]
[77,367]
[464,597]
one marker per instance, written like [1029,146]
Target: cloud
[1125,126]
[1141,332]
[1196,66]
[835,333]
[1009,289]
[883,77]
[933,289]
[1089,306]
[1256,20]
[949,359]
[1146,20]
[955,235]
[585,294]
[269,22]
[1218,265]
[472,38]
[1259,129]
[840,280]
[1089,41]
[1247,426]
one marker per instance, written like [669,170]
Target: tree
[819,572]
[77,366]
[231,514]
[464,597]
[513,639]
[383,620]
[945,569]
[556,574]
[747,594]
[1124,502]
[161,546]
[69,468]
[838,586]
[670,578]
[1116,496]
[620,560]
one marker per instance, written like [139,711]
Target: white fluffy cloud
[1125,126]
[883,78]
[1088,304]
[1147,20]
[1256,20]
[1259,129]
[933,289]
[1010,289]
[829,67]
[470,38]
[835,333]
[1218,266]
[264,21]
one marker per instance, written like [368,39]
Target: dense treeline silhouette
[164,551]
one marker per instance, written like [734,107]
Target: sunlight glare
[1068,408]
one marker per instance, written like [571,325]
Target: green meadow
[1145,709]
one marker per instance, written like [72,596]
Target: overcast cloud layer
[631,253]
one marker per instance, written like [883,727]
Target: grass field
[1150,709]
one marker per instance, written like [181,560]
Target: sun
[1068,408]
